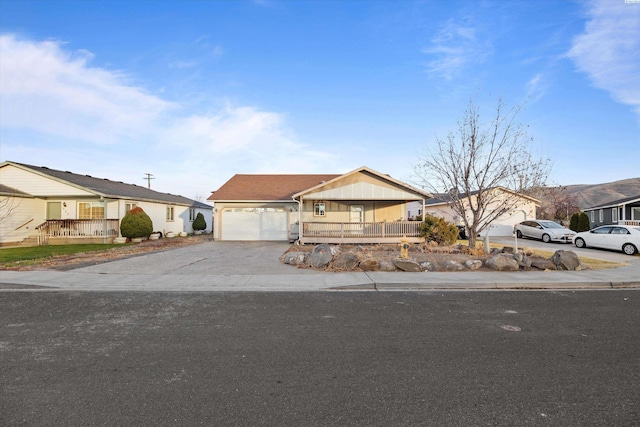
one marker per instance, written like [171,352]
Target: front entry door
[54,210]
[356,217]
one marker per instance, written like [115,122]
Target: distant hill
[596,194]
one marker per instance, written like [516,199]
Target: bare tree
[7,206]
[477,163]
[557,204]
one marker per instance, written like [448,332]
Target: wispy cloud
[607,50]
[455,47]
[536,87]
[52,91]
[53,100]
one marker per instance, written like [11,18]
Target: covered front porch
[360,232]
[66,231]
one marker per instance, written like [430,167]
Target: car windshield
[550,224]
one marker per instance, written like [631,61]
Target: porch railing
[345,230]
[629,222]
[77,228]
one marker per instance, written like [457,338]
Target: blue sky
[195,91]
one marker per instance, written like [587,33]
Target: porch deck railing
[360,230]
[77,228]
[629,222]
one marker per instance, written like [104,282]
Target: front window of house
[128,206]
[614,214]
[90,210]
[169,213]
[319,209]
[192,214]
[601,215]
[592,215]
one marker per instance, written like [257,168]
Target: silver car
[547,231]
[617,237]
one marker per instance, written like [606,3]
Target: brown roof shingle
[267,187]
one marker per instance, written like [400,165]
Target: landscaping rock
[473,264]
[543,264]
[503,262]
[295,258]
[346,261]
[370,265]
[429,266]
[320,256]
[407,265]
[524,262]
[507,250]
[565,260]
[452,266]
[387,266]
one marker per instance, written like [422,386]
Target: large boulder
[345,261]
[429,266]
[543,264]
[387,266]
[294,258]
[450,265]
[565,260]
[473,264]
[502,262]
[407,265]
[320,256]
[370,265]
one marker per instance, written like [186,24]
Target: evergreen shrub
[136,223]
[199,223]
[438,230]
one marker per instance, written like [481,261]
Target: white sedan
[623,238]
[544,230]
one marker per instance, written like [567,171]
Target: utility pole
[148,177]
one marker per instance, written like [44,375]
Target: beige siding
[37,185]
[361,186]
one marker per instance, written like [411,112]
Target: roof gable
[107,188]
[363,184]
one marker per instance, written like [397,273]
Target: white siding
[37,185]
[26,214]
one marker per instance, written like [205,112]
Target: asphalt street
[509,358]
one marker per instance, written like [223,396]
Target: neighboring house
[622,211]
[524,209]
[362,206]
[40,205]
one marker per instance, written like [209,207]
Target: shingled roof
[266,187]
[114,189]
[614,203]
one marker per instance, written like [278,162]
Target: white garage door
[254,224]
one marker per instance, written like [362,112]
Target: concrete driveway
[211,258]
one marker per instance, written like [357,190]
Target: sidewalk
[251,266]
[76,280]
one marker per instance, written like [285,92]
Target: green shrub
[438,230]
[573,223]
[136,223]
[583,222]
[199,223]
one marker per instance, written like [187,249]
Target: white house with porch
[39,205]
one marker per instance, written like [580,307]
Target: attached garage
[250,223]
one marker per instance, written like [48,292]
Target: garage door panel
[254,225]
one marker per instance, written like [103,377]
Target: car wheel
[579,243]
[629,249]
[546,238]
[519,234]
